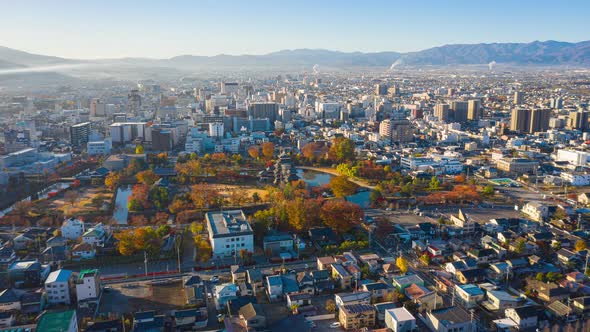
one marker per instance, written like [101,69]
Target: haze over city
[387,166]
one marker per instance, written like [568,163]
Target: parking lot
[137,296]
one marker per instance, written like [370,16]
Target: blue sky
[126,28]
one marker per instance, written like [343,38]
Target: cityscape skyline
[154,30]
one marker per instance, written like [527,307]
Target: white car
[335,325]
[214,279]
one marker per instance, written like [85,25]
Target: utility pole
[145,261]
[178,243]
[586,265]
[471,314]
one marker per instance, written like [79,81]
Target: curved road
[331,171]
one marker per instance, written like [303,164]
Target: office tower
[474,109]
[578,120]
[264,110]
[451,92]
[381,89]
[133,102]
[460,109]
[441,111]
[518,97]
[519,120]
[162,139]
[395,90]
[79,134]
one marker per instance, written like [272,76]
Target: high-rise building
[134,102]
[518,98]
[229,88]
[578,120]
[474,109]
[401,131]
[519,120]
[556,103]
[530,121]
[460,109]
[395,90]
[97,108]
[79,134]
[264,110]
[381,89]
[539,120]
[451,92]
[385,129]
[441,111]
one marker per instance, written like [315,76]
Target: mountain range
[534,53]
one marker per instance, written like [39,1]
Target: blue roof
[59,276]
[471,289]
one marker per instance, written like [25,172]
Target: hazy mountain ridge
[534,53]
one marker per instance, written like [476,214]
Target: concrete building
[264,110]
[79,134]
[516,166]
[72,228]
[356,316]
[63,321]
[518,98]
[88,285]
[474,111]
[578,120]
[103,147]
[229,232]
[57,287]
[400,320]
[441,111]
[450,319]
[460,109]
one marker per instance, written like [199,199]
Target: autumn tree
[254,152]
[341,215]
[580,245]
[520,246]
[125,242]
[330,306]
[341,186]
[268,150]
[139,198]
[314,151]
[139,149]
[147,177]
[159,197]
[402,264]
[178,205]
[71,197]
[342,149]
[204,195]
[112,180]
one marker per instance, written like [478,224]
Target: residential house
[298,299]
[9,301]
[253,316]
[57,287]
[471,276]
[423,296]
[325,262]
[72,228]
[356,316]
[148,321]
[22,242]
[321,281]
[322,237]
[56,241]
[402,282]
[83,251]
[32,303]
[581,304]
[469,295]
[548,292]
[63,321]
[238,274]
[380,291]
[565,257]
[274,287]
[7,319]
[223,293]
[190,319]
[536,211]
[482,256]
[400,320]
[7,257]
[254,278]
[277,243]
[352,298]
[194,290]
[88,286]
[112,325]
[584,199]
[381,308]
[27,274]
[501,300]
[95,236]
[450,319]
[341,276]
[525,317]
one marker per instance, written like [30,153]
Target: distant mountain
[18,58]
[535,53]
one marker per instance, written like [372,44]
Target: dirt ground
[87,200]
[137,296]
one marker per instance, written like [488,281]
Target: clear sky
[133,28]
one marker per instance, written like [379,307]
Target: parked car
[214,279]
[335,325]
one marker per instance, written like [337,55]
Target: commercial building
[229,232]
[79,134]
[103,147]
[516,166]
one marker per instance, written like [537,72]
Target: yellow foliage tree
[402,264]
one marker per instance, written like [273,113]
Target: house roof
[59,276]
[251,310]
[526,311]
[356,308]
[400,314]
[452,315]
[415,291]
[57,321]
[347,297]
[8,296]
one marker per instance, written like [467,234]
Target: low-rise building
[63,321]
[57,287]
[229,233]
[400,320]
[356,316]
[450,319]
[88,285]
